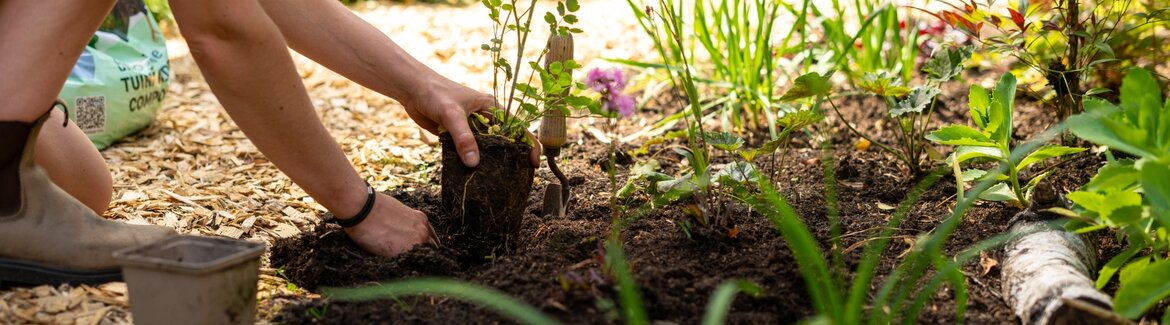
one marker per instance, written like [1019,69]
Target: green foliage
[991,141]
[911,109]
[879,42]
[1144,288]
[1066,41]
[704,182]
[1132,196]
[837,300]
[737,37]
[523,100]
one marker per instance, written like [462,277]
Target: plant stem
[858,133]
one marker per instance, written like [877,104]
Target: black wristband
[361,215]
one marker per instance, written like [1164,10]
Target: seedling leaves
[883,84]
[918,100]
[808,85]
[947,63]
[998,192]
[723,140]
[960,135]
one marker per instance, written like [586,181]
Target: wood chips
[195,171]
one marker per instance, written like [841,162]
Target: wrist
[346,201]
[357,218]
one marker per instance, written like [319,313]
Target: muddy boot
[47,236]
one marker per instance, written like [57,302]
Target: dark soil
[554,264]
[488,200]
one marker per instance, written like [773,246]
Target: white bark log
[1046,278]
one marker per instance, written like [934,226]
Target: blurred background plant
[1068,42]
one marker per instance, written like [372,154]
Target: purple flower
[610,83]
[623,104]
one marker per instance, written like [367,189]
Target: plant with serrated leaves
[527,95]
[991,141]
[705,184]
[1130,195]
[910,109]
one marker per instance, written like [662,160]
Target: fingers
[537,148]
[456,123]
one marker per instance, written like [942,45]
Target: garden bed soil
[554,265]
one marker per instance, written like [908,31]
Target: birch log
[1046,277]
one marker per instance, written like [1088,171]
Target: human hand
[391,228]
[439,102]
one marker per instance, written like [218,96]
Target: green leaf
[721,300]
[978,100]
[1110,269]
[1046,152]
[883,84]
[766,149]
[738,172]
[1115,175]
[1156,186]
[960,135]
[1141,99]
[972,174]
[469,292]
[948,63]
[572,5]
[998,192]
[1104,124]
[808,85]
[1088,200]
[965,153]
[1104,48]
[919,98]
[1097,91]
[1142,290]
[999,127]
[550,18]
[723,140]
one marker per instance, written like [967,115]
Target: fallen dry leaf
[986,262]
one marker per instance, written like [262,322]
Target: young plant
[883,39]
[909,109]
[1064,39]
[1132,196]
[524,101]
[737,38]
[991,140]
[610,85]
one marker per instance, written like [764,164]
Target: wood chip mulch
[195,171]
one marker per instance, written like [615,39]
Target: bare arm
[327,32]
[246,62]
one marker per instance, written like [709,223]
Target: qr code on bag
[91,114]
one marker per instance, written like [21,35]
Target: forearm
[246,62]
[328,33]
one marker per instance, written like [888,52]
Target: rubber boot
[47,236]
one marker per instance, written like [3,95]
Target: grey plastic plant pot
[192,280]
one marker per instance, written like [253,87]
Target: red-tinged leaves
[995,20]
[1051,26]
[1017,18]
